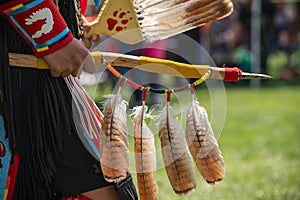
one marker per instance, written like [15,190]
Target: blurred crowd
[229,40]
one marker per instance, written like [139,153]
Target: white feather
[161,19]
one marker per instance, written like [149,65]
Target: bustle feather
[177,160]
[203,144]
[114,142]
[145,155]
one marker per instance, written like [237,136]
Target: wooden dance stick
[148,64]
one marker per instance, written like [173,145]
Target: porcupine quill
[145,155]
[177,160]
[114,142]
[203,144]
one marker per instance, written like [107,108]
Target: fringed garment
[37,111]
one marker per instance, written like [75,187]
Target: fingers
[71,59]
[73,65]
[66,73]
[88,65]
[94,37]
[55,74]
[62,71]
[88,41]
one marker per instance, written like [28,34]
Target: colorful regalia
[38,117]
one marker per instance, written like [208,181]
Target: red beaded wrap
[40,24]
[233,74]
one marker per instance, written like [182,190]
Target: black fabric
[67,9]
[37,111]
[32,104]
[4,2]
[126,189]
[80,171]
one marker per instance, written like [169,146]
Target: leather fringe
[37,112]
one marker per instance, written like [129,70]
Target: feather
[114,142]
[145,155]
[153,20]
[161,19]
[203,144]
[176,157]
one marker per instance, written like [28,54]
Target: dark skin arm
[70,59]
[74,57]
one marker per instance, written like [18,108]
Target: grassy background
[260,142]
[260,145]
[261,148]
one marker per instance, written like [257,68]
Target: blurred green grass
[260,142]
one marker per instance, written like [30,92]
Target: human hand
[71,59]
[74,57]
[94,37]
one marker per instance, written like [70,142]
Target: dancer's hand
[71,59]
[94,37]
[74,57]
